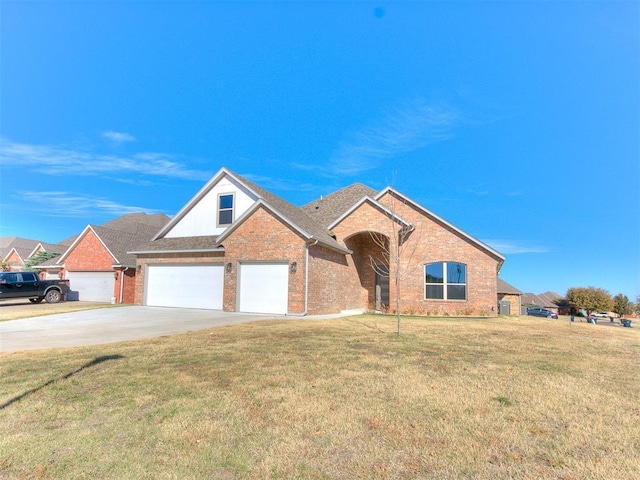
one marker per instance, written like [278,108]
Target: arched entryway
[371,260]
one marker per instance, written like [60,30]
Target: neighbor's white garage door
[186,286]
[92,286]
[264,288]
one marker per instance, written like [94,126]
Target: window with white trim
[225,209]
[445,281]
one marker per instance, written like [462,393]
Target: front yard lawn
[333,399]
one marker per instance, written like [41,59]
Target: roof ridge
[327,209]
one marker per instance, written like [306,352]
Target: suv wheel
[53,296]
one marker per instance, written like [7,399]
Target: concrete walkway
[106,325]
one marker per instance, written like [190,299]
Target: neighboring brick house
[236,247]
[545,300]
[15,252]
[509,299]
[97,263]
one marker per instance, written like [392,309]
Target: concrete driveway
[106,325]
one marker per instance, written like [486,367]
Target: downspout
[306,277]
[122,282]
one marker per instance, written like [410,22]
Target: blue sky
[516,121]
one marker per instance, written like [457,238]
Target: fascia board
[36,248]
[336,247]
[46,267]
[376,204]
[13,249]
[429,213]
[193,250]
[194,200]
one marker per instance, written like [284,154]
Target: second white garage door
[186,286]
[92,286]
[264,288]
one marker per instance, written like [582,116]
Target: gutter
[122,283]
[306,279]
[195,250]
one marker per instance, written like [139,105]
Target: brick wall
[264,237]
[368,251]
[431,241]
[333,282]
[261,237]
[89,254]
[14,261]
[514,300]
[128,285]
[337,281]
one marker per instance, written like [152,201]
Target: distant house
[97,263]
[15,252]
[509,299]
[544,300]
[237,247]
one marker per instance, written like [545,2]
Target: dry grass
[339,399]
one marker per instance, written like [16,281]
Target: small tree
[590,299]
[621,305]
[37,259]
[396,253]
[561,303]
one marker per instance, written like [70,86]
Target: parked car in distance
[541,312]
[28,285]
[601,314]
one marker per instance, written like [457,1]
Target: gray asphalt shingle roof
[25,246]
[125,233]
[178,244]
[504,287]
[312,220]
[296,215]
[326,210]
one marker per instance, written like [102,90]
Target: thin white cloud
[408,128]
[67,204]
[118,137]
[510,247]
[54,160]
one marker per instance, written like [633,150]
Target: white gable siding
[200,219]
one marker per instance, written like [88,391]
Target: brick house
[509,299]
[16,251]
[236,247]
[543,300]
[97,264]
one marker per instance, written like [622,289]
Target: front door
[382,287]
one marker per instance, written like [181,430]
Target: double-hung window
[225,209]
[445,281]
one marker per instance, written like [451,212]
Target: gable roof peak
[326,209]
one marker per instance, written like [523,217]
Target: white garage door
[264,288]
[92,286]
[186,286]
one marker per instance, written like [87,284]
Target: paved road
[106,325]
